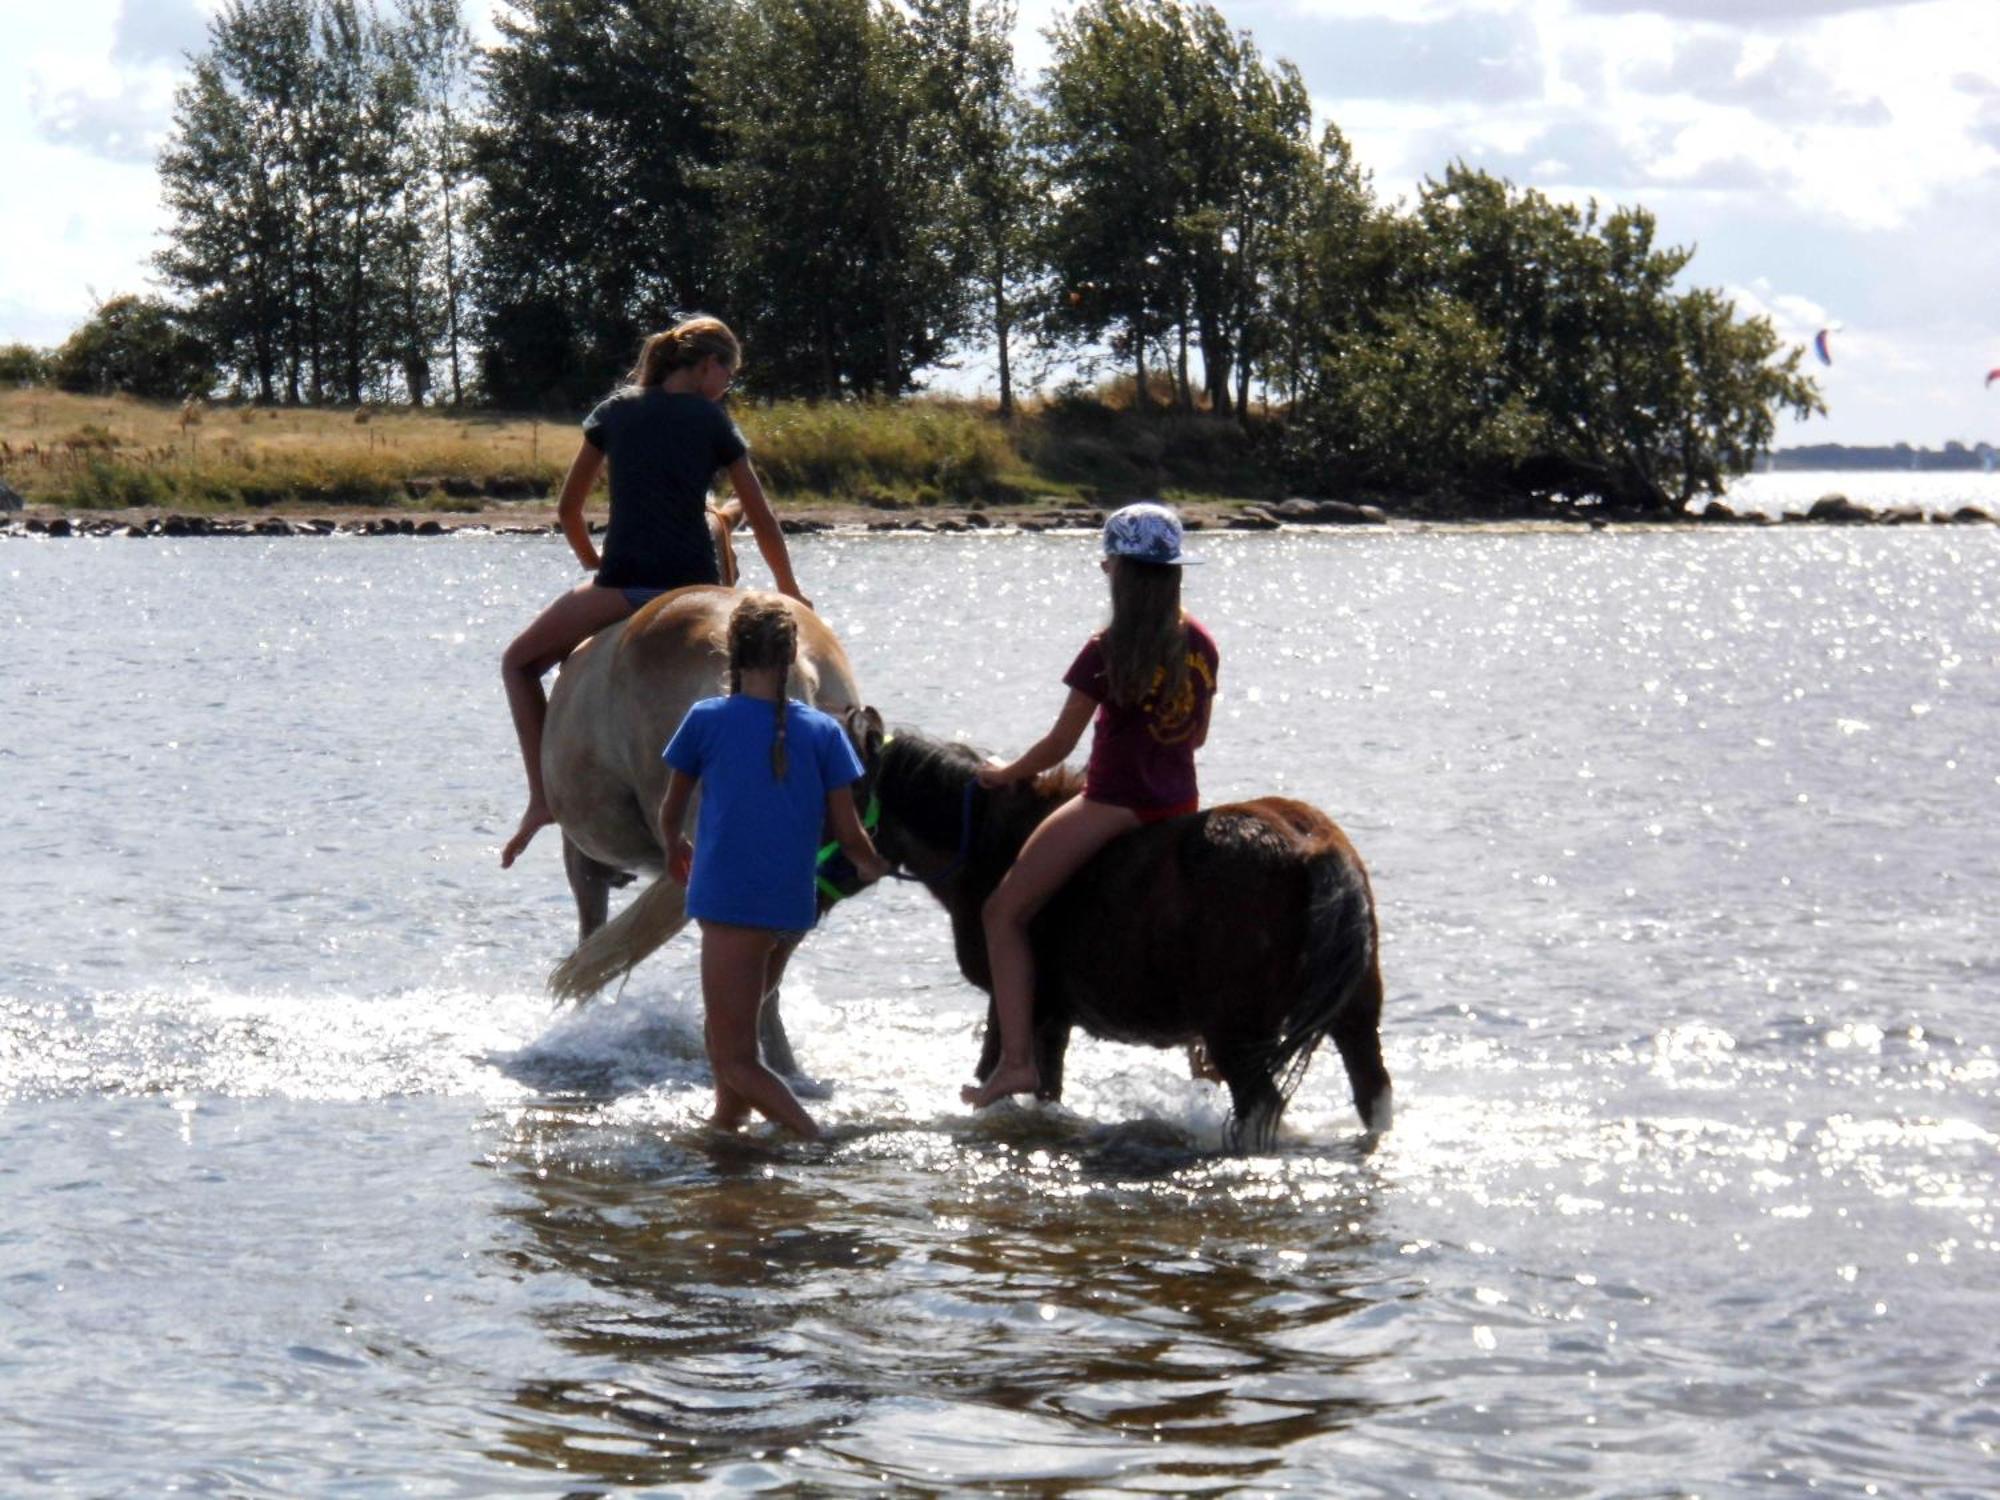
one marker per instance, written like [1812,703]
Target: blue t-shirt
[756,838]
[664,448]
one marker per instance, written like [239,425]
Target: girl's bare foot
[533,821]
[1018,1078]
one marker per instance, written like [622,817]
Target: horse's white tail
[620,945]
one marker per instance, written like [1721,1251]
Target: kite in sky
[1991,376]
[1819,346]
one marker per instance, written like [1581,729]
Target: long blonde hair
[762,633]
[687,343]
[1146,641]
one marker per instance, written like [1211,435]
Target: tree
[1414,400]
[1179,163]
[969,55]
[23,364]
[1497,341]
[434,173]
[1646,401]
[596,223]
[836,195]
[1337,264]
[230,175]
[1108,237]
[138,345]
[290,183]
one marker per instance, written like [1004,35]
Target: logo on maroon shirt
[1172,723]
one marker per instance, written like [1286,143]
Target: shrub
[23,364]
[137,345]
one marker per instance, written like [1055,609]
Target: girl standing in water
[773,773]
[665,436]
[1149,679]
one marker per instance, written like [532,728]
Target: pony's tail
[620,945]
[1341,993]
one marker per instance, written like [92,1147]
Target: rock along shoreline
[535,518]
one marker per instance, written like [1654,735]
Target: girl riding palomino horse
[665,436]
[772,773]
[1149,680]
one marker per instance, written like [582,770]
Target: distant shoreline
[537,518]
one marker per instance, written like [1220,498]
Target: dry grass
[94,452]
[97,453]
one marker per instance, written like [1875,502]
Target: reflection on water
[1083,1291]
[1684,846]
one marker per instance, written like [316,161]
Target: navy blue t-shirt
[664,448]
[756,838]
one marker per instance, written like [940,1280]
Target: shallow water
[1685,847]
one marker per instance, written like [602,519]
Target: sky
[1834,163]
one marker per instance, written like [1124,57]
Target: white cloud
[149,31]
[1744,12]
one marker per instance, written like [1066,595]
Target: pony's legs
[1357,1033]
[1253,1094]
[590,882]
[734,971]
[1051,1048]
[555,632]
[1053,852]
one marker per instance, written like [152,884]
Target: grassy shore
[67,453]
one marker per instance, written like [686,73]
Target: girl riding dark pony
[1249,928]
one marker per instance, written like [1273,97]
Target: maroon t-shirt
[1143,756]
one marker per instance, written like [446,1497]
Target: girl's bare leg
[555,632]
[734,972]
[1054,851]
[731,1108]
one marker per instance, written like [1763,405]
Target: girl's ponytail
[687,343]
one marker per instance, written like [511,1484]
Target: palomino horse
[1249,928]
[621,695]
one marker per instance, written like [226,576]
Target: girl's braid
[762,633]
[778,761]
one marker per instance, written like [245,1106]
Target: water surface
[1685,846]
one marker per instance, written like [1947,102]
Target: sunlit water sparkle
[1685,847]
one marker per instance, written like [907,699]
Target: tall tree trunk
[1183,389]
[451,298]
[1000,331]
[1215,363]
[829,377]
[892,333]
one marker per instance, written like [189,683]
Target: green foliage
[138,345]
[994,190]
[1512,343]
[597,224]
[862,188]
[836,202]
[1179,165]
[107,484]
[1422,391]
[308,176]
[869,449]
[23,364]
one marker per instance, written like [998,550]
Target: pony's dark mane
[925,778]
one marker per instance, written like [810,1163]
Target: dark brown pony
[1249,928]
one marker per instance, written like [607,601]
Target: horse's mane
[926,779]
